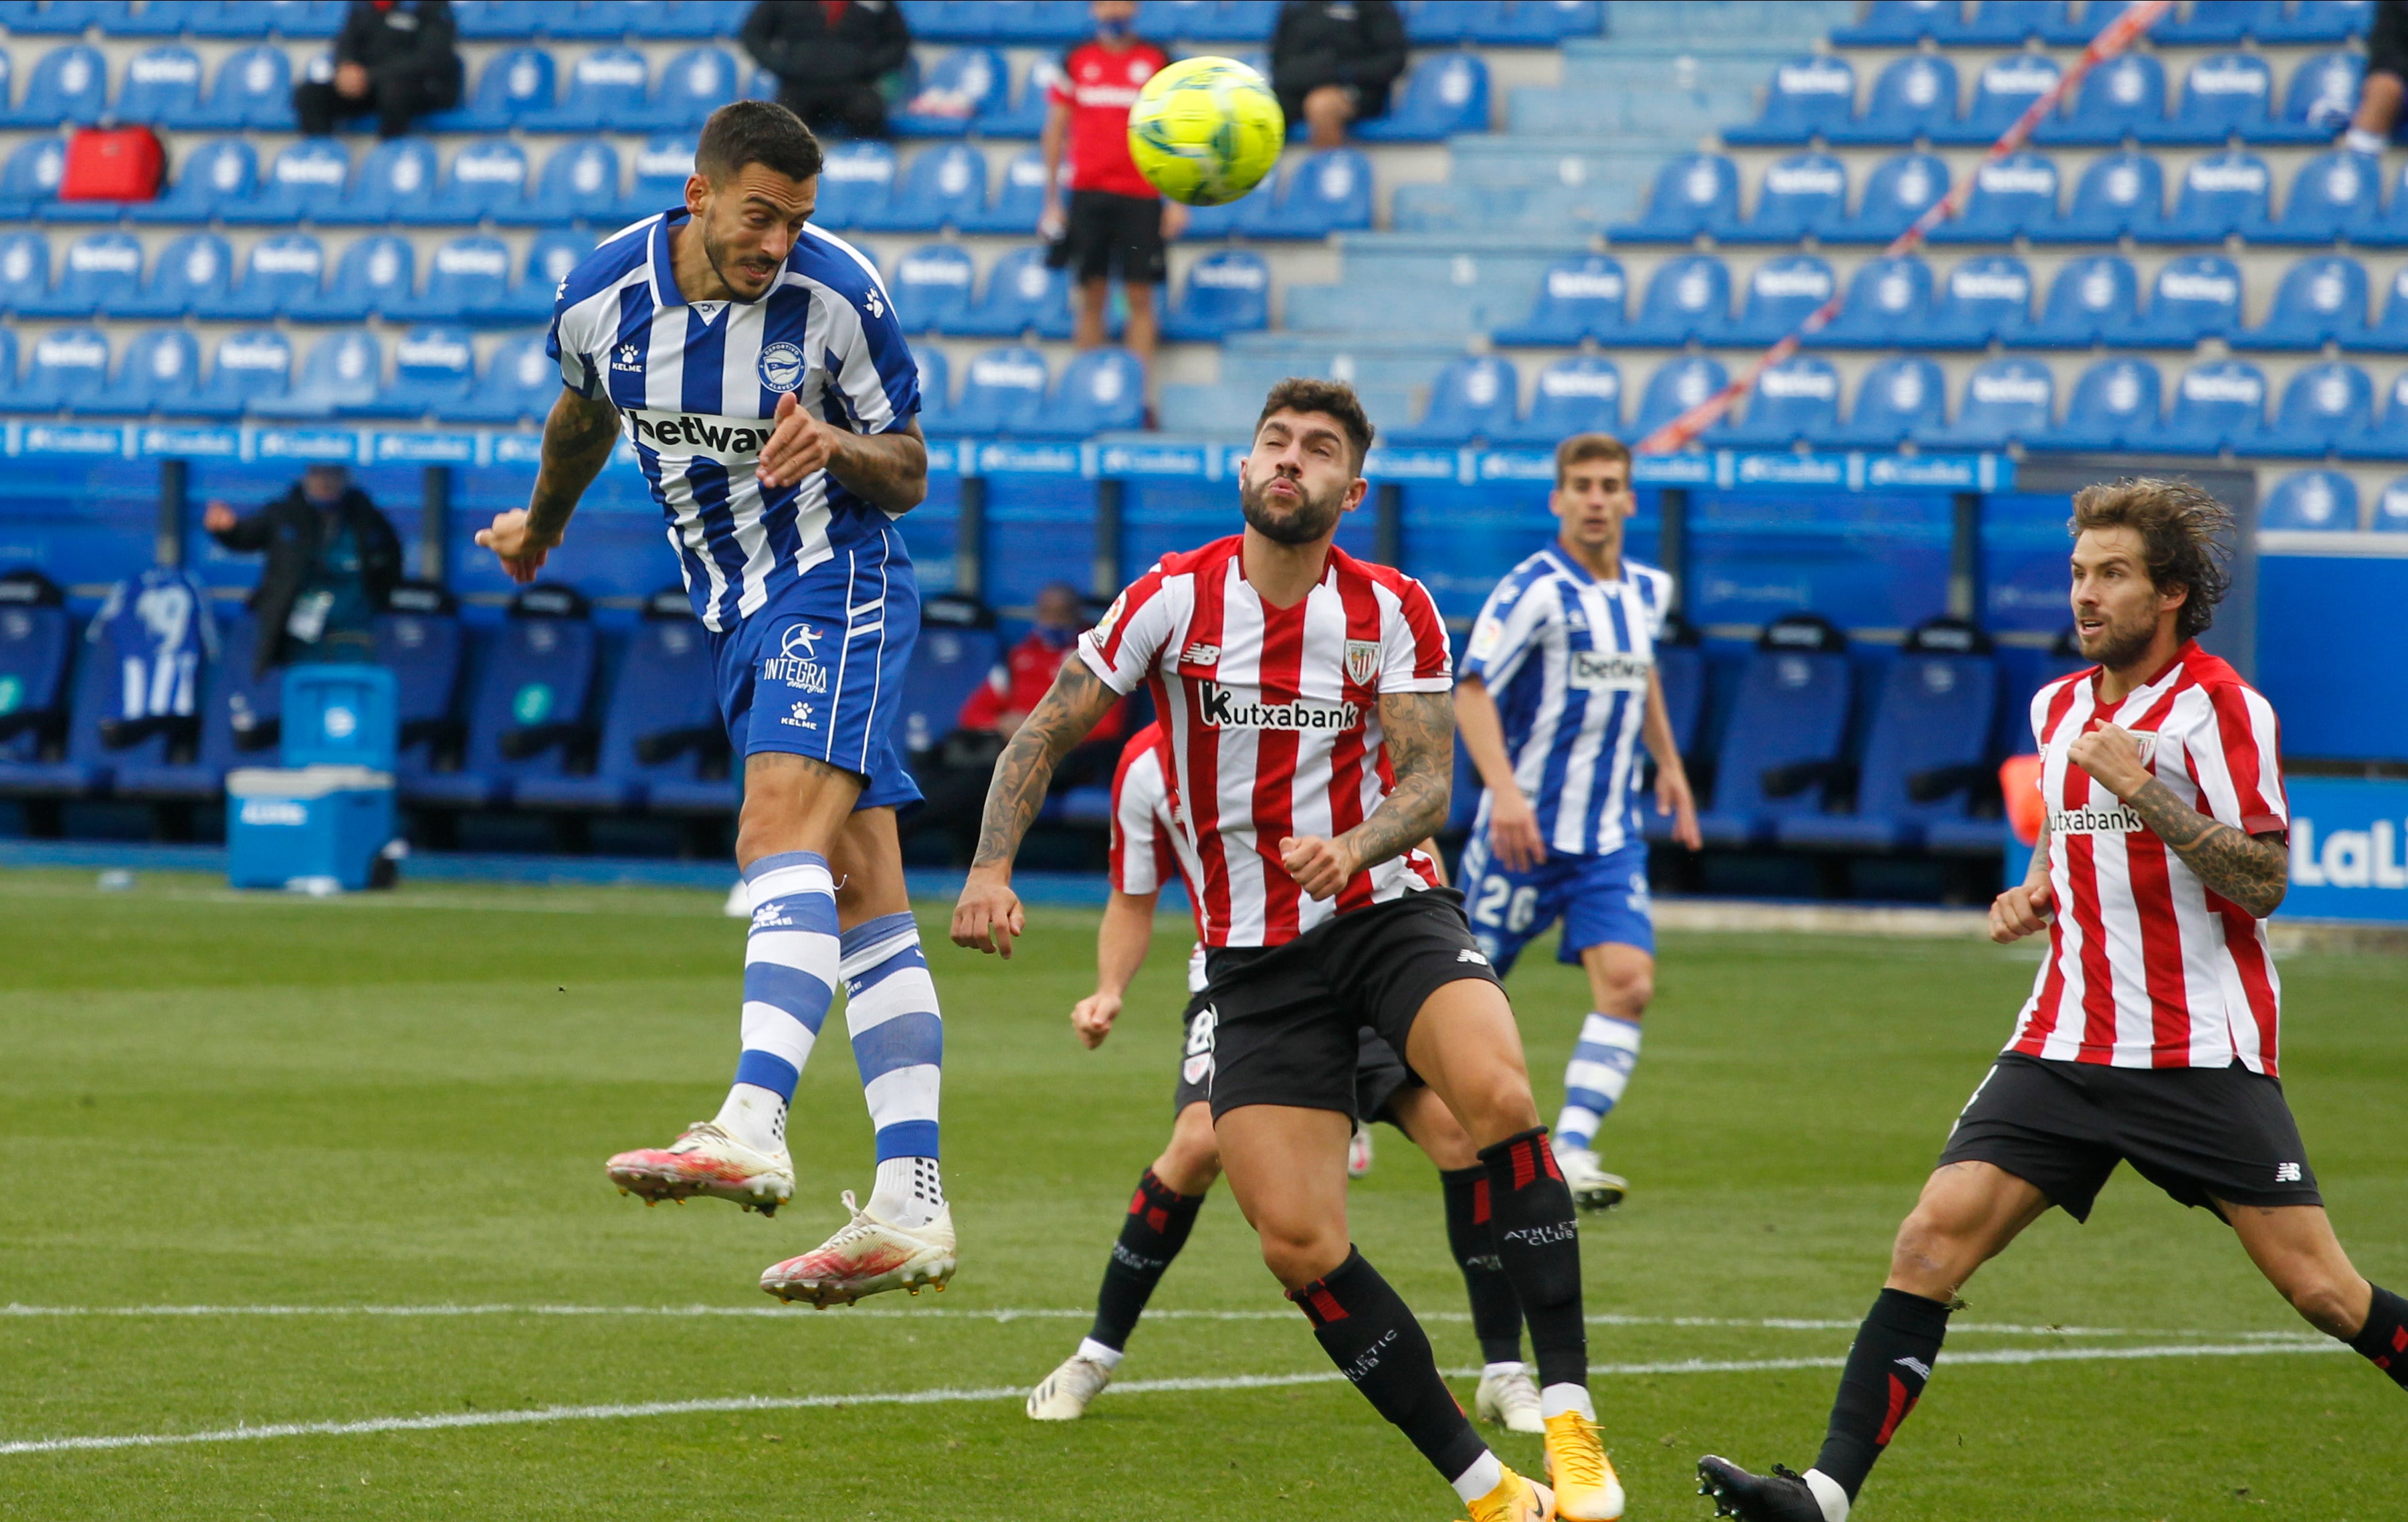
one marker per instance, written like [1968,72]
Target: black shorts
[1289,1021]
[2386,41]
[2191,1132]
[1379,1074]
[1107,235]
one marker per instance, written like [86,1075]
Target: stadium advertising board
[2349,850]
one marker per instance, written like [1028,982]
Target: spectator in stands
[1333,62]
[1116,222]
[332,560]
[956,777]
[2386,80]
[394,58]
[829,56]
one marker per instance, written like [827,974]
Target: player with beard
[2151,1033]
[1307,697]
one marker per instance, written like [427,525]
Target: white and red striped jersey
[1147,843]
[1273,721]
[2147,967]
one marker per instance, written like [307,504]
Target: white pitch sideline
[448,1420]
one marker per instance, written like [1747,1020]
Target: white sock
[2359,140]
[909,1192]
[1485,1475]
[1555,1400]
[1499,1371]
[1597,1073]
[756,1116]
[1094,1352]
[1829,1495]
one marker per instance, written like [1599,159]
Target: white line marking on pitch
[447,1420]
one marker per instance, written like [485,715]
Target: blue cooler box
[311,827]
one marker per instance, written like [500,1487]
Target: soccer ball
[1206,130]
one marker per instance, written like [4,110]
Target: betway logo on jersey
[1606,670]
[1242,708]
[2119,820]
[691,433]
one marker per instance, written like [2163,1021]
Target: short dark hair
[1334,398]
[1582,448]
[2182,532]
[758,132]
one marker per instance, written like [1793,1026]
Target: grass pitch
[246,1131]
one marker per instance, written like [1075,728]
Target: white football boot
[706,1160]
[1591,1187]
[1063,1395]
[1509,1399]
[867,1257]
[1358,1151]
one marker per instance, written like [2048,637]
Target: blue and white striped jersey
[696,383]
[1567,657]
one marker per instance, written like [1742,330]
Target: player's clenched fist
[988,917]
[520,549]
[1092,1017]
[2018,912]
[798,445]
[1320,866]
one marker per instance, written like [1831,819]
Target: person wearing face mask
[331,558]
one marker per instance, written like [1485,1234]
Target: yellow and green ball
[1206,130]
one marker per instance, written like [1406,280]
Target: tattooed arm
[988,915]
[577,442]
[2252,870]
[1420,729]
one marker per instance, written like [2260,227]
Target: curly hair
[1334,399]
[2184,539]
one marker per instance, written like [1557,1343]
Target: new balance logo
[1201,653]
[2286,1173]
[1922,1369]
[1476,959]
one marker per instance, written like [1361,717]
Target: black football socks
[1495,1314]
[1885,1372]
[2383,1340]
[1156,1227]
[1371,1336]
[1530,1213]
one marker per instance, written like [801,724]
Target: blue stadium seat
[2012,23]
[2095,299]
[958,646]
[2319,501]
[1576,396]
[68,87]
[420,641]
[7,370]
[2387,334]
[24,270]
[1985,298]
[691,86]
[35,639]
[397,183]
[2317,20]
[1926,757]
[2214,23]
[2216,405]
[932,287]
[2386,436]
[1889,305]
[432,366]
[93,271]
[1003,391]
[303,182]
[944,187]
[1897,400]
[58,18]
[854,185]
[484,19]
[1472,398]
[2012,196]
[2118,193]
[1781,294]
[550,258]
[67,366]
[376,275]
[214,176]
[2006,401]
[2390,512]
[2221,195]
[677,18]
[1434,23]
[2222,94]
[662,167]
[1897,24]
[2196,296]
[1914,97]
[531,708]
[1100,390]
[2322,98]
[1018,199]
[86,762]
[1579,297]
[2336,196]
[2322,300]
[1797,400]
[1245,216]
[952,91]
[489,179]
[467,280]
[2126,95]
[1808,97]
[1022,296]
[2321,406]
[516,81]
[519,384]
[1022,113]
[936,388]
[604,87]
[240,712]
[1694,193]
[1688,297]
[29,182]
[2114,404]
[162,367]
[282,273]
[1532,24]
[191,275]
[1784,740]
[343,371]
[1897,192]
[1678,385]
[162,88]
[1324,192]
[1445,93]
[247,368]
[660,728]
[251,88]
[1803,194]
[1228,291]
[2002,91]
[587,21]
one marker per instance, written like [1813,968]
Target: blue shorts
[1600,899]
[818,671]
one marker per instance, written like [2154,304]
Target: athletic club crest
[1362,661]
[782,367]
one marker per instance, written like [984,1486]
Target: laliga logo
[782,367]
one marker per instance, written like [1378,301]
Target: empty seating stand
[663,744]
[1783,744]
[531,713]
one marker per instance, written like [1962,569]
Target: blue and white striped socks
[1595,1078]
[790,974]
[898,1043]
